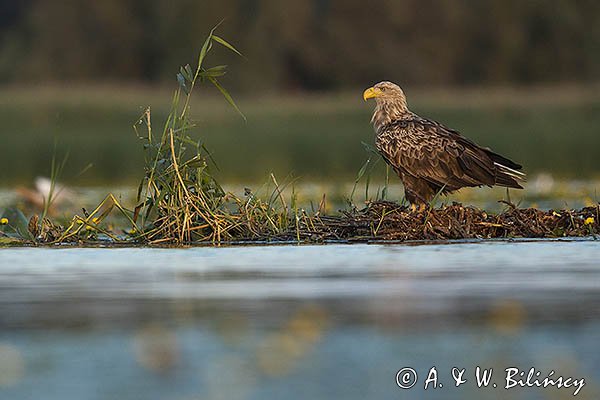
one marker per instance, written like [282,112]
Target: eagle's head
[385,92]
[390,102]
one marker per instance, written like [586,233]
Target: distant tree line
[305,44]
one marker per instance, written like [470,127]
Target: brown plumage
[428,157]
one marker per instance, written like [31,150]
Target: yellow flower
[589,221]
[95,220]
[3,221]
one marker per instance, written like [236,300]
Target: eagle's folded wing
[427,150]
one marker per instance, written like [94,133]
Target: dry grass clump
[179,200]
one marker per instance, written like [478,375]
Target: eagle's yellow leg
[420,208]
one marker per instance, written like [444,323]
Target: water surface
[296,322]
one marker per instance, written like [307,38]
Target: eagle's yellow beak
[371,93]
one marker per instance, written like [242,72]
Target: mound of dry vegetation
[391,221]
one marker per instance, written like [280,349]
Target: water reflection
[155,348]
[281,351]
[12,366]
[295,322]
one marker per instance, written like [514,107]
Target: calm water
[287,322]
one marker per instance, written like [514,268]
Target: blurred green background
[520,77]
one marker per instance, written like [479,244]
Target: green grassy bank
[316,137]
